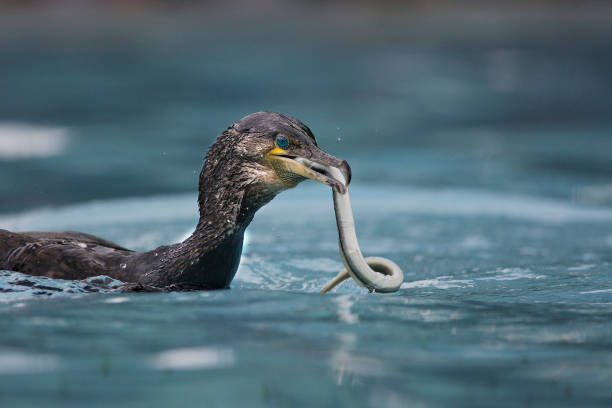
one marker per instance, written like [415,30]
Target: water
[499,296]
[482,167]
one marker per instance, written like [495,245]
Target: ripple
[193,358]
[504,274]
[121,299]
[16,362]
[441,282]
[17,286]
[597,291]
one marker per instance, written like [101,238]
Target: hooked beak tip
[346,169]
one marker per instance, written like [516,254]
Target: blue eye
[282,142]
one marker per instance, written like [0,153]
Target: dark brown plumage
[252,161]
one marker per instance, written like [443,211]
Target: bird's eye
[282,142]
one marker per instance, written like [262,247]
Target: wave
[310,199]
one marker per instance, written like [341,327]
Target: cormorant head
[281,151]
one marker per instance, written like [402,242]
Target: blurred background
[105,99]
[480,137]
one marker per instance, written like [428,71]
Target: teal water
[483,168]
[501,304]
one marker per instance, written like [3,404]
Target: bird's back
[64,255]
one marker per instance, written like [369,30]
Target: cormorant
[252,161]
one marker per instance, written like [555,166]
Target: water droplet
[82,245]
[339,139]
[163,153]
[123,266]
[156,254]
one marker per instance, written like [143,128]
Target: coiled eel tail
[374,273]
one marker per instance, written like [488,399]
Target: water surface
[499,296]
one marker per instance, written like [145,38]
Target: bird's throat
[210,257]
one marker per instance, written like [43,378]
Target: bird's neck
[230,193]
[209,258]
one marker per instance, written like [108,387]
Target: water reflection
[16,362]
[349,365]
[347,362]
[344,304]
[194,358]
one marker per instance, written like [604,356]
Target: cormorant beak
[312,163]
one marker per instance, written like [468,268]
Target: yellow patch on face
[284,175]
[277,151]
